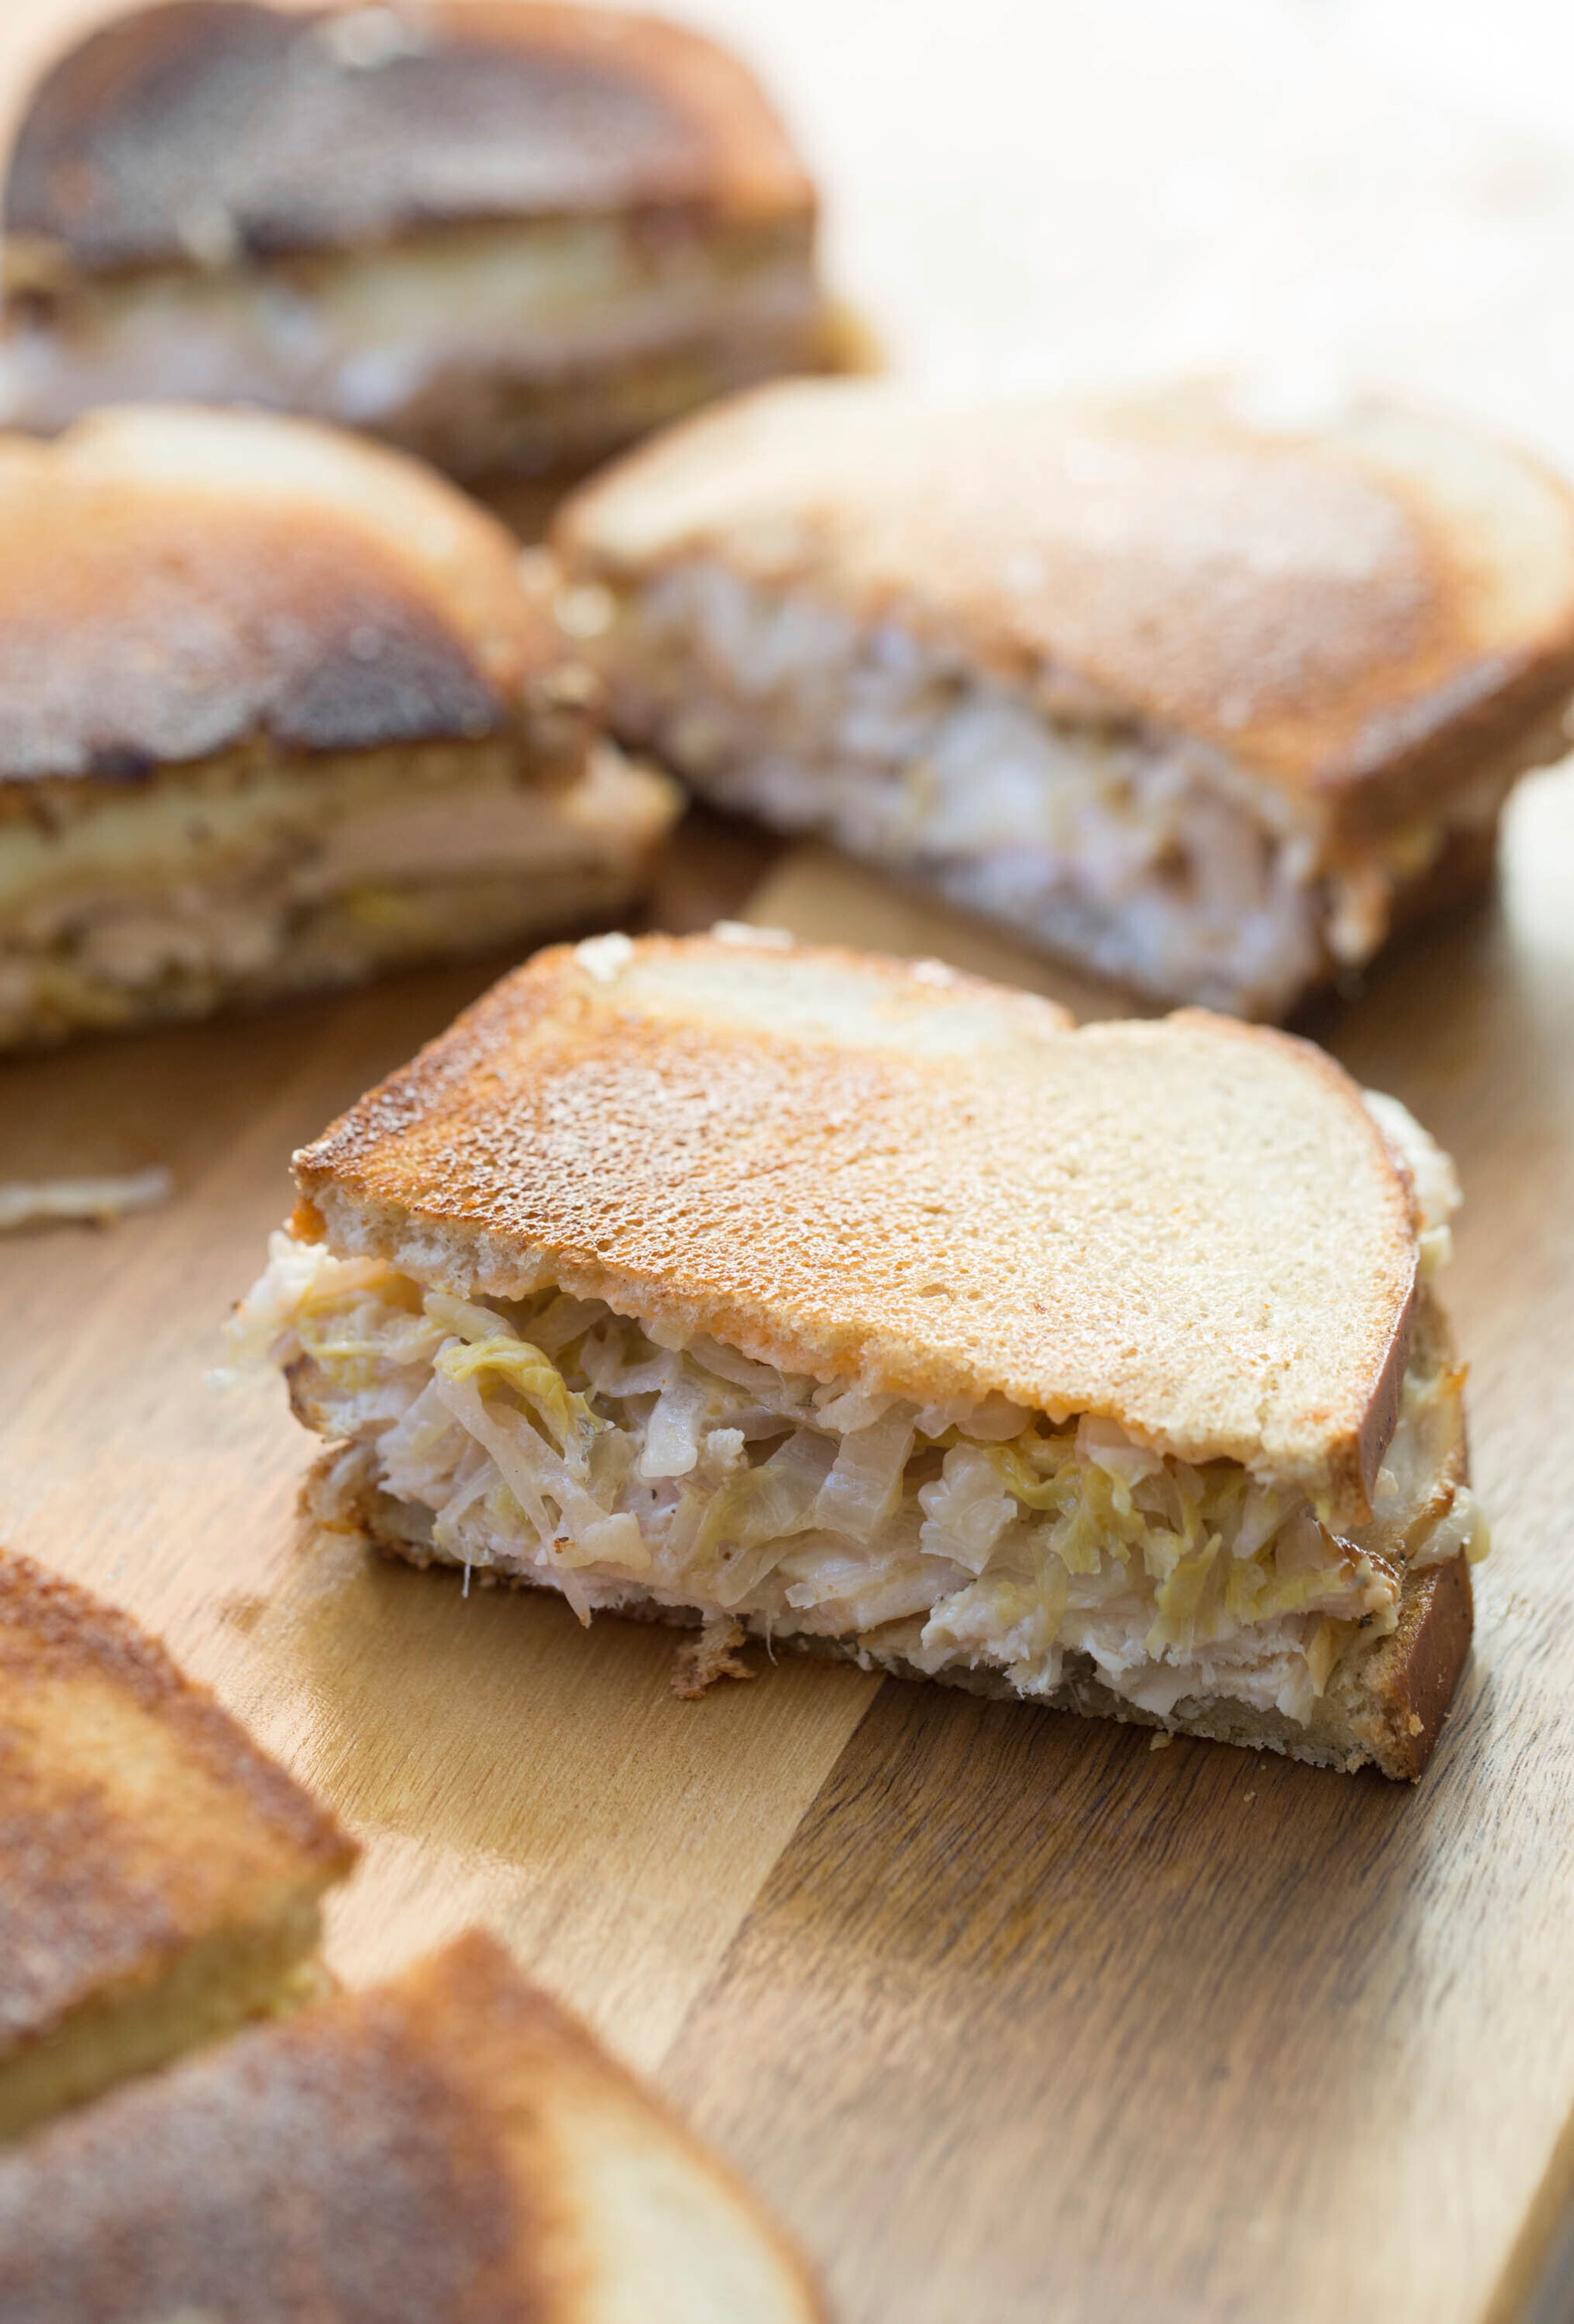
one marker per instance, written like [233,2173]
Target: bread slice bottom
[452,2148]
[1383,1706]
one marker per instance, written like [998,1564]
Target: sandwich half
[1202,704]
[452,2148]
[161,1878]
[278,709]
[505,236]
[872,1309]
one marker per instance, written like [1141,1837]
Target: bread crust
[224,579]
[102,1888]
[1362,615]
[859,1168]
[427,2151]
[276,132]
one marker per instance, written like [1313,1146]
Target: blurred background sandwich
[278,709]
[1204,702]
[510,237]
[451,2148]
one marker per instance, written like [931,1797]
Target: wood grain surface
[1013,2017]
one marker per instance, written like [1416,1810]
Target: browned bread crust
[853,1166]
[1367,615]
[281,131]
[433,2150]
[224,579]
[137,1820]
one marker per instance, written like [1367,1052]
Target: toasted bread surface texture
[855,1168]
[217,579]
[451,2148]
[1360,614]
[162,1873]
[281,131]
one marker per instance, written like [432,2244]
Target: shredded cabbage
[555,1438]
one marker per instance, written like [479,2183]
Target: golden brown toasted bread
[1201,700]
[162,1876]
[841,1165]
[279,708]
[501,235]
[883,1311]
[452,2148]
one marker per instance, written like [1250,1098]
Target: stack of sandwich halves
[779,1293]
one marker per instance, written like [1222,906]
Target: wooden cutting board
[1013,2017]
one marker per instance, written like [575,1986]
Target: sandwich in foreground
[277,709]
[866,1307]
[1205,705]
[451,2148]
[508,237]
[160,1877]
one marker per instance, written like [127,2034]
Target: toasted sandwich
[452,2148]
[1205,705]
[161,1877]
[504,237]
[278,709]
[868,1308]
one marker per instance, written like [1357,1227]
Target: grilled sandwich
[1206,705]
[508,237]
[160,1877]
[278,709]
[872,1309]
[449,2149]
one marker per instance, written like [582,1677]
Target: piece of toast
[452,2148]
[160,1877]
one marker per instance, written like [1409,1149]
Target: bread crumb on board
[1160,1739]
[700,1662]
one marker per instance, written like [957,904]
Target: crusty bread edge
[540,2049]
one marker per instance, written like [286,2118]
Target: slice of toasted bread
[162,1876]
[280,709]
[854,1167]
[452,2148]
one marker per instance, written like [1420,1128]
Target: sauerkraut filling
[1148,854]
[552,1440]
